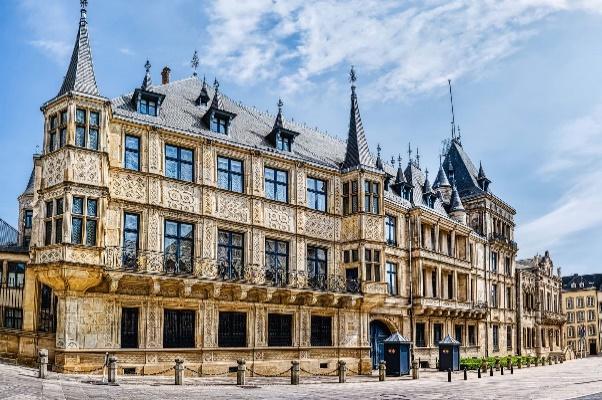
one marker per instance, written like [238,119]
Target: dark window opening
[280,327]
[178,328]
[420,335]
[232,330]
[317,267]
[321,330]
[129,328]
[132,153]
[437,333]
[276,184]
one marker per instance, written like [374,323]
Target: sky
[525,73]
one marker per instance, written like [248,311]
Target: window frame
[321,331]
[391,230]
[392,273]
[229,272]
[86,219]
[371,197]
[314,192]
[277,322]
[274,272]
[135,151]
[317,266]
[226,337]
[350,197]
[271,185]
[231,174]
[372,265]
[53,220]
[15,275]
[179,240]
[179,162]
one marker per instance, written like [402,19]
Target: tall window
[390,230]
[372,260]
[232,329]
[459,330]
[276,184]
[178,247]
[230,254]
[494,261]
[276,261]
[321,330]
[509,337]
[132,153]
[316,267]
[494,295]
[86,128]
[434,282]
[230,174]
[391,270]
[472,335]
[280,327]
[350,199]
[450,286]
[371,197]
[84,221]
[53,222]
[27,219]
[437,333]
[129,328]
[178,328]
[131,231]
[179,163]
[16,274]
[496,338]
[420,335]
[507,266]
[508,298]
[569,303]
[316,194]
[57,134]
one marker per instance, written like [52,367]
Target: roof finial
[379,162]
[409,152]
[352,78]
[451,100]
[280,104]
[84,10]
[147,81]
[393,160]
[194,63]
[399,160]
[417,158]
[147,66]
[215,84]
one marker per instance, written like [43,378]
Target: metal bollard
[112,369]
[465,374]
[382,371]
[240,372]
[491,370]
[449,375]
[479,373]
[501,370]
[295,372]
[549,360]
[555,359]
[179,371]
[342,371]
[415,371]
[511,369]
[43,360]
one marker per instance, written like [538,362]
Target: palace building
[173,221]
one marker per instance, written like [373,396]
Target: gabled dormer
[217,118]
[280,137]
[203,98]
[401,186]
[145,100]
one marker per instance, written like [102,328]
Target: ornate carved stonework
[374,228]
[128,186]
[278,217]
[233,208]
[49,255]
[54,168]
[319,225]
[351,228]
[180,197]
[154,158]
[86,167]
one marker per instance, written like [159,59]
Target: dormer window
[146,101]
[147,107]
[283,143]
[217,118]
[219,124]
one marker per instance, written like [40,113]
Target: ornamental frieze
[373,228]
[278,217]
[54,168]
[351,228]
[319,226]
[86,167]
[128,186]
[181,197]
[233,208]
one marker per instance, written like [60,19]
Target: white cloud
[399,49]
[572,157]
[54,49]
[126,51]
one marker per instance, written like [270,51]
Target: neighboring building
[583,308]
[173,221]
[539,304]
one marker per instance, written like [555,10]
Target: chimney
[165,75]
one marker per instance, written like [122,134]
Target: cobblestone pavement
[574,379]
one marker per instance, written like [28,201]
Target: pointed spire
[147,82]
[417,158]
[203,98]
[441,179]
[379,161]
[481,171]
[400,177]
[278,122]
[455,203]
[80,74]
[216,102]
[482,179]
[426,187]
[357,153]
[194,63]
[409,153]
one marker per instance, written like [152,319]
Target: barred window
[280,327]
[317,267]
[509,337]
[316,194]
[179,163]
[232,329]
[230,174]
[178,328]
[13,318]
[276,184]
[230,254]
[321,330]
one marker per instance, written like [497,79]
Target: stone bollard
[112,369]
[43,360]
[382,371]
[179,371]
[295,372]
[449,375]
[342,371]
[241,371]
[491,370]
[479,373]
[465,374]
[415,370]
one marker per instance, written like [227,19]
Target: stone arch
[390,324]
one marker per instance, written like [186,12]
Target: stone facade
[399,254]
[541,317]
[582,304]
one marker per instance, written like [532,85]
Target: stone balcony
[553,318]
[439,257]
[500,239]
[450,307]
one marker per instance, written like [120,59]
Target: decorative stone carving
[153,230]
[49,255]
[154,146]
[351,228]
[319,226]
[96,318]
[54,168]
[179,197]
[233,208]
[154,191]
[207,165]
[278,217]
[86,167]
[301,187]
[153,328]
[128,186]
[208,251]
[374,228]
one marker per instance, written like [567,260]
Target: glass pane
[91,232]
[78,205]
[186,155]
[171,151]
[281,176]
[270,246]
[130,239]
[131,160]
[186,172]
[222,237]
[76,230]
[237,183]
[131,222]
[80,136]
[237,239]
[63,137]
[53,122]
[132,143]
[93,143]
[92,205]
[59,206]
[236,166]
[311,199]
[282,247]
[170,245]
[80,116]
[58,230]
[171,228]
[321,186]
[321,203]
[186,230]
[152,108]
[186,251]
[222,163]
[222,179]
[94,119]
[282,262]
[49,209]
[171,169]
[281,193]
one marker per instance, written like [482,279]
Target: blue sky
[526,77]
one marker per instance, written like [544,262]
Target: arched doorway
[378,333]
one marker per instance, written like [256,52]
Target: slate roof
[465,173]
[449,340]
[441,180]
[397,338]
[80,75]
[357,152]
[589,281]
[30,183]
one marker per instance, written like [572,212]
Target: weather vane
[147,66]
[352,75]
[195,62]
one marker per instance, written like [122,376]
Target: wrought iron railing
[146,261]
[501,238]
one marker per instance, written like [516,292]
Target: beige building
[174,221]
[583,307]
[540,315]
